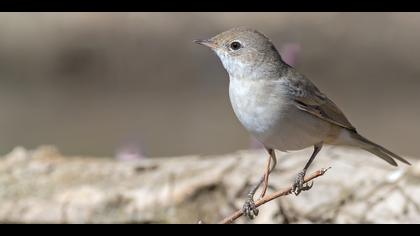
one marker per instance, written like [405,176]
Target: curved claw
[299,186]
[249,209]
[308,186]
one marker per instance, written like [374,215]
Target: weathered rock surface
[44,186]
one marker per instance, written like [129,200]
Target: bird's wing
[308,98]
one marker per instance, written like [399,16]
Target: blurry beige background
[97,83]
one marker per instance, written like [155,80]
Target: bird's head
[244,52]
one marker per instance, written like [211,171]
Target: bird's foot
[249,209]
[298,185]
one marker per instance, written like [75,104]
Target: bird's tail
[376,149]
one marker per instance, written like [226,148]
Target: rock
[43,186]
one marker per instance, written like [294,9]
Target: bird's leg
[249,208]
[268,169]
[298,184]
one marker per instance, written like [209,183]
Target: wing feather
[308,98]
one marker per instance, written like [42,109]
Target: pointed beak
[205,42]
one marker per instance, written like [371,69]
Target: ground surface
[44,186]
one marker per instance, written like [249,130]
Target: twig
[230,219]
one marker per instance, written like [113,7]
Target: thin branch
[230,219]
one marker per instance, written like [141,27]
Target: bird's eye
[235,45]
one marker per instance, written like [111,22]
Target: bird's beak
[205,42]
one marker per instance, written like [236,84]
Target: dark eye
[235,45]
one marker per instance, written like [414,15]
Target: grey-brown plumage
[279,105]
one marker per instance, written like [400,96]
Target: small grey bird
[281,107]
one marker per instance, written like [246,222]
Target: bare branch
[230,219]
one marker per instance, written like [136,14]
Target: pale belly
[264,110]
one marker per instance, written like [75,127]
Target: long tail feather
[378,150]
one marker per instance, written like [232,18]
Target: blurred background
[110,83]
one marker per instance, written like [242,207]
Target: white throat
[236,68]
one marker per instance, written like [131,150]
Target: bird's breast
[258,104]
[267,110]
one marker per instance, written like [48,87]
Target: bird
[280,106]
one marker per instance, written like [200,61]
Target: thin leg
[249,208]
[268,169]
[298,185]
